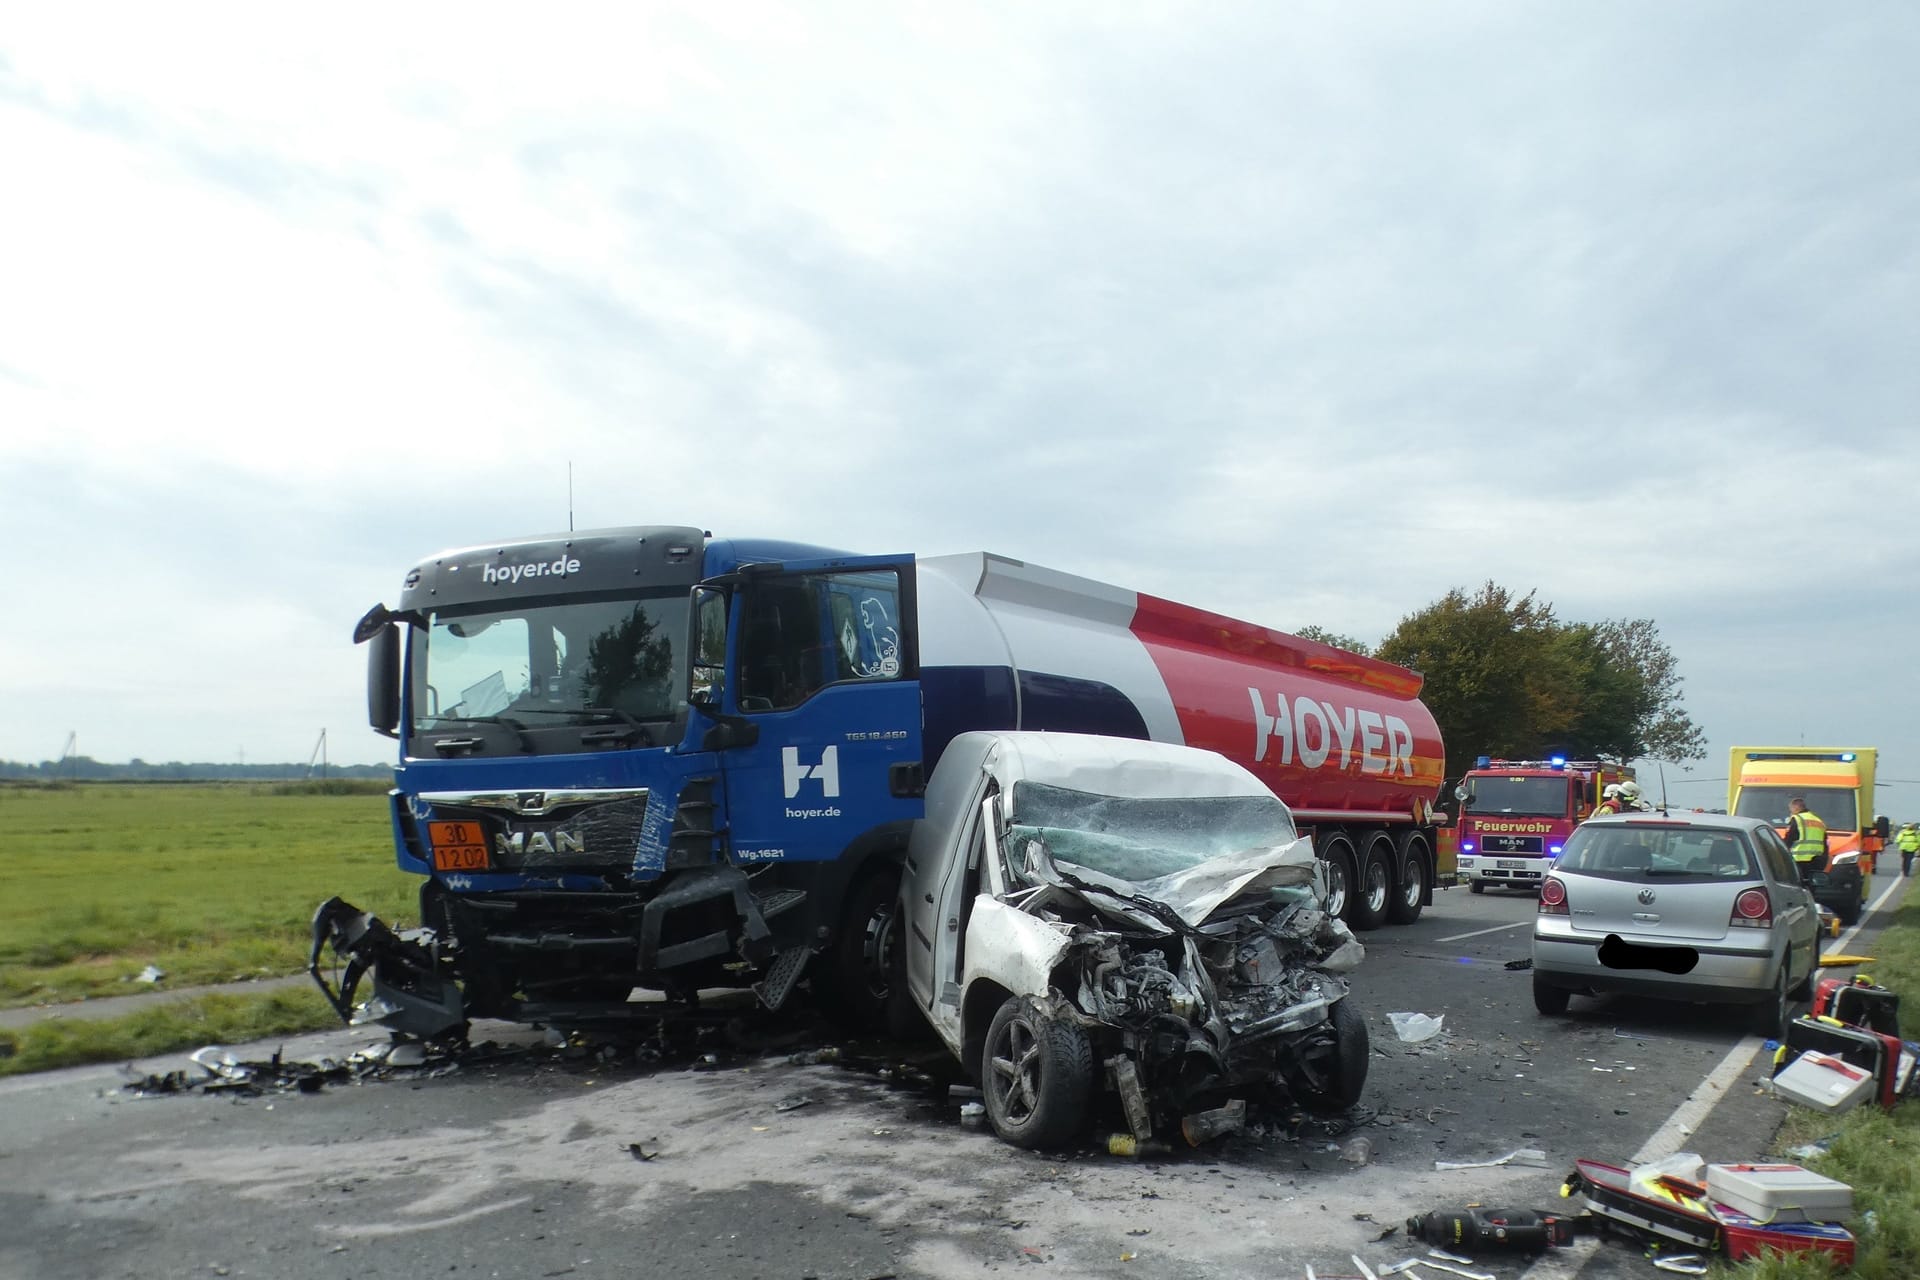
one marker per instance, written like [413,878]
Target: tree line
[87,769]
[1505,677]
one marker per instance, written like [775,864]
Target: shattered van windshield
[1140,840]
[576,662]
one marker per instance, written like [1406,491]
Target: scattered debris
[1412,1028]
[1477,1227]
[972,1115]
[794,1103]
[1531,1157]
[1519,964]
[641,1153]
[150,975]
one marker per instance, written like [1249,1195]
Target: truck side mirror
[383,680]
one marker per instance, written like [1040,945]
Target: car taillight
[1753,909]
[1553,898]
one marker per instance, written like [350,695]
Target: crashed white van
[1082,913]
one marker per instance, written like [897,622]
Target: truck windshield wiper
[453,744]
[627,718]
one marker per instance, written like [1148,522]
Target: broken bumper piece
[410,995]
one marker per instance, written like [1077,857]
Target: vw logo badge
[1646,897]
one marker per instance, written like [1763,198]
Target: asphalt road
[762,1167]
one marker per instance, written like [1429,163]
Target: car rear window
[1647,851]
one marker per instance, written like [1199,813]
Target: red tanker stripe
[1188,627]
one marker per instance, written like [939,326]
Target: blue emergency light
[1559,762]
[1466,846]
[1483,762]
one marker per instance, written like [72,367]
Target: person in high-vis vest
[1908,842]
[1806,836]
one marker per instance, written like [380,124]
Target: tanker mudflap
[410,994]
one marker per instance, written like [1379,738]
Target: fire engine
[1516,815]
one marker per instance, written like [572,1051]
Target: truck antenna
[1663,786]
[569,495]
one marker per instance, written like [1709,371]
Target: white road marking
[1499,928]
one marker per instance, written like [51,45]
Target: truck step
[782,977]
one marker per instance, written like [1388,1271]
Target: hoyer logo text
[1315,730]
[1523,828]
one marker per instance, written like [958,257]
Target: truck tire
[1336,850]
[1036,1073]
[1373,889]
[1331,1079]
[853,977]
[1476,886]
[1414,881]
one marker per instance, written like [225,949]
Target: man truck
[1516,815]
[1837,784]
[648,757]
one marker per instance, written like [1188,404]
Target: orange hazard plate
[457,846]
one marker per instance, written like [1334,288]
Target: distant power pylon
[319,754]
[67,753]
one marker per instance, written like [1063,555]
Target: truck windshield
[1138,840]
[576,662]
[1835,805]
[1535,797]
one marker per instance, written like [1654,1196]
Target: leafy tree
[1479,654]
[1335,639]
[1505,677]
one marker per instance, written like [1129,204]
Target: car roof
[1681,818]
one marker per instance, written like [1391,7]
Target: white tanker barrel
[1008,645]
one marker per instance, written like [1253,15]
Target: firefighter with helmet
[1908,842]
[1630,797]
[1610,801]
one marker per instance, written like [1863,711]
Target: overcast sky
[1304,313]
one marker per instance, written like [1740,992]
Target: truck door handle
[953,924]
[929,898]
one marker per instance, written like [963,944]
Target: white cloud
[1307,314]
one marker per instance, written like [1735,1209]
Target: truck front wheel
[855,974]
[1037,1075]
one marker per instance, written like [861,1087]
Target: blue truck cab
[637,757]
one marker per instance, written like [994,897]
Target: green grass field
[211,883]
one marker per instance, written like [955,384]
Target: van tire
[1036,1074]
[1335,1081]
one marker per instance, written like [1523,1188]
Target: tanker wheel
[1342,874]
[1413,884]
[1373,891]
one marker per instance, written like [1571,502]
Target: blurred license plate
[457,846]
[1505,864]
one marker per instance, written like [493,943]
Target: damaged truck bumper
[558,958]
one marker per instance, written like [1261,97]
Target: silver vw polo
[1680,906]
